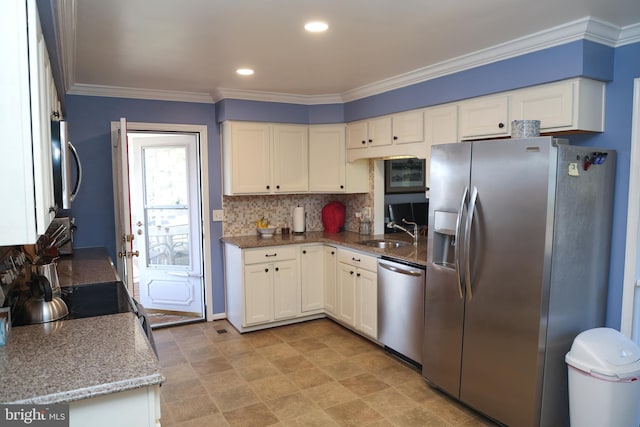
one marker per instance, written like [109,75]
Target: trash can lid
[605,351]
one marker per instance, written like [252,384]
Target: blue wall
[90,117]
[90,126]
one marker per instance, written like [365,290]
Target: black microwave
[63,174]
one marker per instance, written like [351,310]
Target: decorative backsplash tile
[242,212]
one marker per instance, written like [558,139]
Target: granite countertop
[416,255]
[86,266]
[76,359]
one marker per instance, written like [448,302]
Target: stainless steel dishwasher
[401,308]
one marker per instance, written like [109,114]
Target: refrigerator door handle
[467,242]
[459,274]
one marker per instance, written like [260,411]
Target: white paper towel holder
[299,220]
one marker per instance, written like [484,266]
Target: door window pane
[168,236]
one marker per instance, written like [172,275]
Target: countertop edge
[94,391]
[346,239]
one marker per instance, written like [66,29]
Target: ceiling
[190,49]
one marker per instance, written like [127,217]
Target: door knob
[139,232]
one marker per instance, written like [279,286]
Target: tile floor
[315,373]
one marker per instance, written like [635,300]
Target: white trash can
[604,380]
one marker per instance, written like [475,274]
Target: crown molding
[629,35]
[251,95]
[136,93]
[67,18]
[586,28]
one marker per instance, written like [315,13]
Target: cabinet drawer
[358,259]
[273,253]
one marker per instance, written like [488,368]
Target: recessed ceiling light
[316,26]
[244,71]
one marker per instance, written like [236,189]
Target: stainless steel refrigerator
[518,256]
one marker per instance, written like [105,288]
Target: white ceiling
[164,48]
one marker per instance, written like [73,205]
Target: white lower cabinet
[271,282]
[357,291]
[278,285]
[312,273]
[330,279]
[139,407]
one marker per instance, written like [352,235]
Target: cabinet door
[312,277]
[358,134]
[551,104]
[40,74]
[380,131]
[347,293]
[367,302]
[250,158]
[330,279]
[408,127]
[290,159]
[327,160]
[441,125]
[484,117]
[286,285]
[258,293]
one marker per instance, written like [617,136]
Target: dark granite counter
[86,266]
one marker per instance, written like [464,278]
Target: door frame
[630,314]
[204,196]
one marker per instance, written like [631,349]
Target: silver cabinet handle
[459,275]
[467,241]
[74,193]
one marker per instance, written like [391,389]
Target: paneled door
[166,220]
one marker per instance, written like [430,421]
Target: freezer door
[510,249]
[444,303]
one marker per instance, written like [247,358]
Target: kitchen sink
[384,244]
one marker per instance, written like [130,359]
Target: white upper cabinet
[262,158]
[328,170]
[408,127]
[485,117]
[247,158]
[441,125]
[400,134]
[25,161]
[290,158]
[576,104]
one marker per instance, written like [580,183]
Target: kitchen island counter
[416,255]
[70,360]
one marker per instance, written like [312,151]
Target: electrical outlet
[366,212]
[218,215]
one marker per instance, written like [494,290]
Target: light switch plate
[218,215]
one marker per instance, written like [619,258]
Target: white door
[122,202]
[166,220]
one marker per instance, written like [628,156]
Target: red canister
[333,217]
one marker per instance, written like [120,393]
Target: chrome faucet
[393,224]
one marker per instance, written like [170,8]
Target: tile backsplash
[242,212]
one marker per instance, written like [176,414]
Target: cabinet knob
[266,270]
[395,138]
[364,142]
[333,252]
[358,274]
[268,187]
[351,272]
[371,140]
[342,187]
[500,125]
[56,114]
[304,252]
[53,209]
[277,269]
[277,187]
